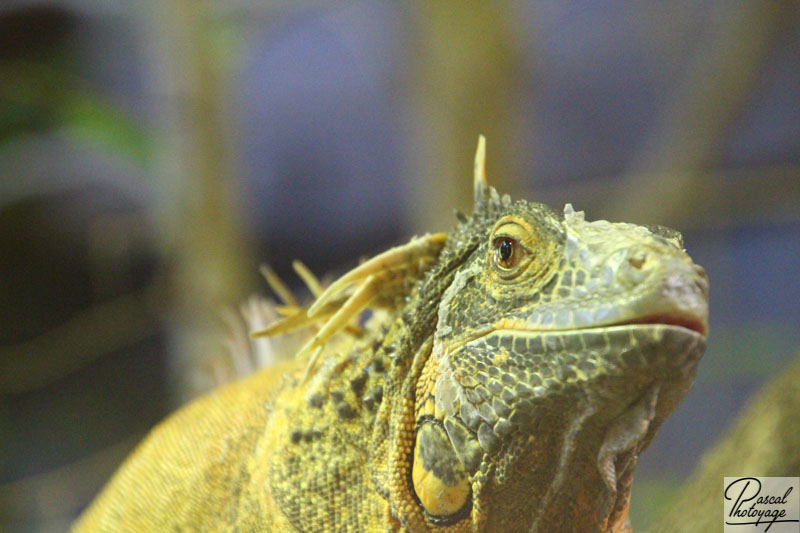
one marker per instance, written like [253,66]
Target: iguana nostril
[637,261]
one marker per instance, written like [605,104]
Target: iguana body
[508,380]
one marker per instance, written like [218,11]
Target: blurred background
[154,153]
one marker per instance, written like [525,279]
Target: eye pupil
[506,249]
[507,253]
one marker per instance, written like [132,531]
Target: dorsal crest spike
[480,186]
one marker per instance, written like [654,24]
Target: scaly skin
[507,384]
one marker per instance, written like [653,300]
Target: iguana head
[560,346]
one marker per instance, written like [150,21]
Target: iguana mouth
[690,325]
[695,325]
[698,326]
[687,322]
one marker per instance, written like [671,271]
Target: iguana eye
[507,252]
[511,247]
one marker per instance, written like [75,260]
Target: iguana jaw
[610,420]
[635,353]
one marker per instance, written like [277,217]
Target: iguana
[509,377]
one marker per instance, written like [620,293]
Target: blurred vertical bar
[466,65]
[693,125]
[203,242]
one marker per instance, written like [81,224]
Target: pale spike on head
[481,188]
